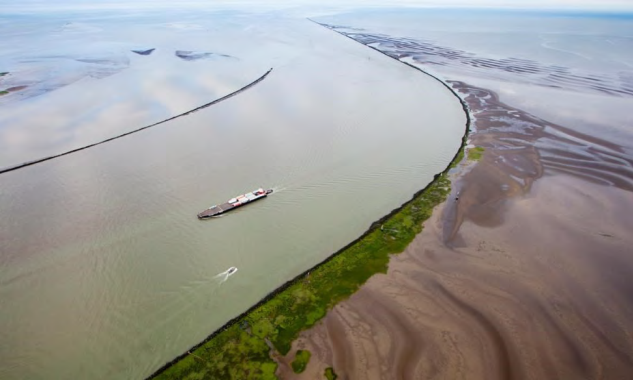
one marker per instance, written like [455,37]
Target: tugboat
[234,203]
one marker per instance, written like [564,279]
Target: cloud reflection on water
[87,85]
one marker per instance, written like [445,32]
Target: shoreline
[464,105]
[374,226]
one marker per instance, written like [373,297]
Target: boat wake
[222,277]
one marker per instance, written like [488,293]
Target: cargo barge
[234,203]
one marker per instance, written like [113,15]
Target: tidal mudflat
[105,271]
[524,273]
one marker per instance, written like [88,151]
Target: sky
[64,5]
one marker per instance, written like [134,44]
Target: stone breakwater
[216,101]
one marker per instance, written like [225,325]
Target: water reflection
[103,260]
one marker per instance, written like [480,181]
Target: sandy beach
[524,273]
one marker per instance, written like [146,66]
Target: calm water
[570,67]
[574,70]
[105,272]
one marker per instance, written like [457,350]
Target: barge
[234,203]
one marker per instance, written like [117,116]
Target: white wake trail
[222,277]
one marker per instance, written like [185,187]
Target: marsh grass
[301,361]
[330,374]
[475,154]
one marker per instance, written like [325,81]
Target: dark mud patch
[198,55]
[144,52]
[466,62]
[12,89]
[520,147]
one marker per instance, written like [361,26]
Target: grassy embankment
[301,361]
[475,154]
[243,348]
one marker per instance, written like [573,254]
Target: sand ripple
[431,54]
[545,294]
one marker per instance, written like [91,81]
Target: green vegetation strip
[4,92]
[4,73]
[330,374]
[301,361]
[475,154]
[243,348]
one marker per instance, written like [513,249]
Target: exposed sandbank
[524,277]
[517,69]
[12,89]
[196,55]
[144,52]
